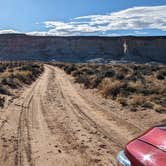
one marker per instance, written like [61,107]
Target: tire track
[87,127]
[85,120]
[82,115]
[23,145]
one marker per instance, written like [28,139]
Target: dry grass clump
[111,87]
[137,100]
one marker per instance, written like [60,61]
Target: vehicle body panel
[143,154]
[149,149]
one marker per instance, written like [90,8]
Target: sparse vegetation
[2,100]
[131,85]
[14,75]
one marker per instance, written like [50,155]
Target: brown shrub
[122,100]
[2,101]
[160,109]
[110,87]
[137,100]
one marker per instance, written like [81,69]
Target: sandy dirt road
[52,124]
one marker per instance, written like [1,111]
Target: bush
[122,100]
[3,90]
[2,68]
[10,82]
[148,105]
[111,88]
[120,76]
[163,72]
[161,110]
[96,80]
[160,76]
[137,101]
[109,73]
[2,101]
[68,69]
[88,71]
[83,79]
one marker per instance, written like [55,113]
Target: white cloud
[136,18]
[8,31]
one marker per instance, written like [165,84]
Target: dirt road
[52,124]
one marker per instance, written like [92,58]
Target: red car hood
[149,149]
[155,137]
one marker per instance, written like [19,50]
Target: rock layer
[81,49]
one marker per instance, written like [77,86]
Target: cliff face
[81,49]
[145,49]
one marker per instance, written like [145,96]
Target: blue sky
[83,17]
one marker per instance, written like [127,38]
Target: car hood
[155,137]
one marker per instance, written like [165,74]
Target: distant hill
[82,49]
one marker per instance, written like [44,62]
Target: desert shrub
[88,71]
[148,105]
[133,109]
[83,79]
[145,91]
[2,101]
[25,77]
[111,88]
[109,73]
[76,73]
[160,76]
[137,100]
[10,82]
[96,80]
[132,87]
[2,68]
[36,69]
[4,90]
[68,69]
[125,69]
[163,71]
[120,76]
[26,67]
[122,100]
[160,100]
[160,109]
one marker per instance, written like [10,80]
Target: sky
[83,17]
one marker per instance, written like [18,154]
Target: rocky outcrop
[81,49]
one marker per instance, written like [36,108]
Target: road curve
[52,124]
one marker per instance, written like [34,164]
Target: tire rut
[23,145]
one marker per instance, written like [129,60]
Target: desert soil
[55,122]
